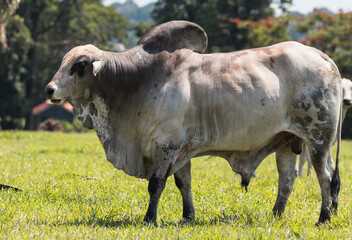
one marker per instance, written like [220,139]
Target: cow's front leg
[183,183]
[163,157]
[286,164]
[155,188]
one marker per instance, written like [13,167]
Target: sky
[303,6]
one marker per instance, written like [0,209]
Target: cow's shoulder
[174,35]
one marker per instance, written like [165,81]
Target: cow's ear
[96,67]
[174,35]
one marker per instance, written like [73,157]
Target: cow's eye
[78,68]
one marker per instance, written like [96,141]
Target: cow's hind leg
[183,182]
[155,188]
[286,163]
[319,158]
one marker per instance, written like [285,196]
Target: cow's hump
[174,35]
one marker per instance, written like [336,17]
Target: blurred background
[36,34]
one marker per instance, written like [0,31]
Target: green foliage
[70,191]
[331,34]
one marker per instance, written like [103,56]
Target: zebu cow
[163,102]
[346,103]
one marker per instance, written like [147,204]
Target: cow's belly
[244,131]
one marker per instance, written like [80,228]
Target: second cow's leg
[286,163]
[304,157]
[183,183]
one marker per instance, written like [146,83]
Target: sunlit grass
[71,191]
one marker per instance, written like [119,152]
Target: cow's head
[74,78]
[347,92]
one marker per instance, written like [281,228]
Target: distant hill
[133,13]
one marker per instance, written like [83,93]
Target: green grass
[71,191]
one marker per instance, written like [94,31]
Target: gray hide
[163,102]
[346,103]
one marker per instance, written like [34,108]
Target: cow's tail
[335,181]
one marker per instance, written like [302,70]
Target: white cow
[163,102]
[347,103]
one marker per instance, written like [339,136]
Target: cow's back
[240,100]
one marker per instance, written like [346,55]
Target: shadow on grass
[136,221]
[7,187]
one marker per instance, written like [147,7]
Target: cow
[346,103]
[163,102]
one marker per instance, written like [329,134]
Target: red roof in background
[47,104]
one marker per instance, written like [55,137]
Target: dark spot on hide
[317,97]
[206,66]
[300,121]
[154,98]
[192,70]
[301,105]
[324,131]
[88,123]
[296,146]
[316,134]
[224,66]
[155,85]
[272,61]
[92,110]
[139,113]
[262,102]
[308,119]
[295,105]
[305,107]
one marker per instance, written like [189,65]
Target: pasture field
[70,191]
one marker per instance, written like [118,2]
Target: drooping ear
[96,67]
[174,35]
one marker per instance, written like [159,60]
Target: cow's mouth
[58,101]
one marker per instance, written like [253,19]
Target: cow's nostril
[347,102]
[49,92]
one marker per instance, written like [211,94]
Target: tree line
[40,32]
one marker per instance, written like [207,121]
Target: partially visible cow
[163,102]
[346,103]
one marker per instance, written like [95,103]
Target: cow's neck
[117,140]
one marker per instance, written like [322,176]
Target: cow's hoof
[318,224]
[187,220]
[148,223]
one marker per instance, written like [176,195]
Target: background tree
[50,28]
[332,34]
[7,7]
[266,31]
